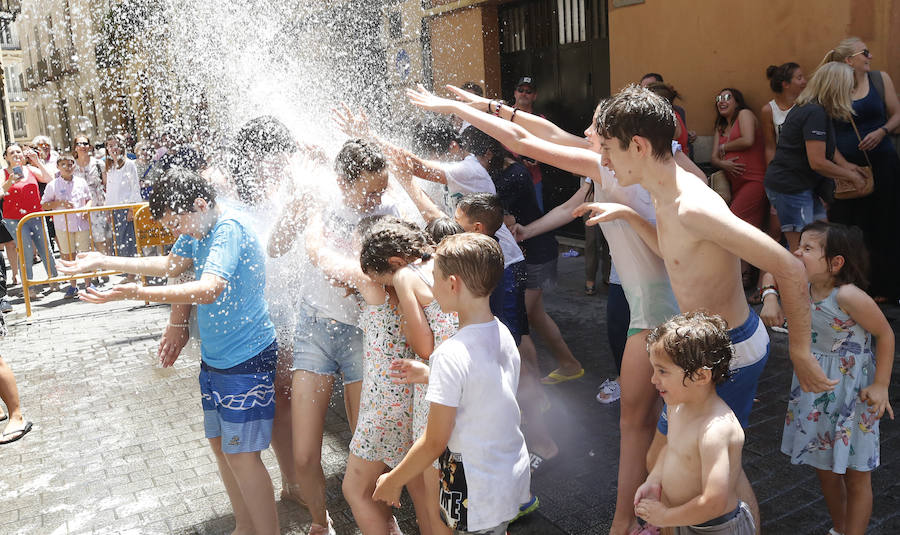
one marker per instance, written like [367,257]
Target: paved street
[118,442]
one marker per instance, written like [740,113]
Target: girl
[837,432]
[384,427]
[397,253]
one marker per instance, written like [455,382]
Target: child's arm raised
[608,211]
[404,175]
[716,467]
[289,224]
[441,420]
[336,264]
[866,313]
[415,324]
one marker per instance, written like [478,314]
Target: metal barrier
[147,233]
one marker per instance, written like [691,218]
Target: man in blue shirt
[237,339]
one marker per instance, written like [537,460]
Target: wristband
[770,287]
[769,292]
[180,325]
[886,131]
[512,118]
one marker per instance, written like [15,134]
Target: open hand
[810,375]
[602,212]
[83,263]
[732,166]
[352,124]
[427,100]
[170,345]
[118,292]
[876,397]
[872,139]
[477,102]
[409,371]
[386,492]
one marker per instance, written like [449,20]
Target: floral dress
[443,326]
[834,430]
[384,429]
[92,174]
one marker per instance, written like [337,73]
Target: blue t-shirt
[236,327]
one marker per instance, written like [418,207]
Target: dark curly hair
[441,227]
[695,341]
[635,111]
[356,157]
[390,237]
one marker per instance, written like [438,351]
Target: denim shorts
[239,402]
[796,210]
[508,300]
[328,347]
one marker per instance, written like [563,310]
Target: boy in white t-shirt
[483,459]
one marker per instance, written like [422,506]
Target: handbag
[844,189]
[719,182]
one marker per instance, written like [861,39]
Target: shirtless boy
[693,485]
[702,244]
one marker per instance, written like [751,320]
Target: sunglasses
[865,52]
[723,98]
[526,91]
[82,144]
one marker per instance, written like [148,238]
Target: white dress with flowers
[834,430]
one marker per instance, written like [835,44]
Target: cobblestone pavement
[118,442]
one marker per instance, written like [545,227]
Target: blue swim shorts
[508,300]
[239,402]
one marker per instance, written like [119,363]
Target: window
[9,37]
[14,86]
[18,124]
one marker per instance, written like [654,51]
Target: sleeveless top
[870,116]
[753,158]
[778,117]
[23,197]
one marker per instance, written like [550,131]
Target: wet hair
[635,111]
[484,208]
[695,341]
[356,157]
[740,104]
[664,90]
[780,74]
[365,224]
[264,135]
[475,258]
[656,75]
[847,242]
[433,137]
[472,87]
[389,238]
[176,192]
[441,227]
[477,142]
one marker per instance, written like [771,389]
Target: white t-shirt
[485,472]
[469,176]
[122,184]
[75,191]
[320,297]
[642,273]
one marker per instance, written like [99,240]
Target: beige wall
[465,47]
[701,46]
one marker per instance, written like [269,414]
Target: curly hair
[389,237]
[358,156]
[441,227]
[695,341]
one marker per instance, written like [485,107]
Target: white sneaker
[783,328]
[610,391]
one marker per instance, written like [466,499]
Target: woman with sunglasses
[91,171]
[876,113]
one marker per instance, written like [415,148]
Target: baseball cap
[526,80]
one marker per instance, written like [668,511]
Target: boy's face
[445,290]
[622,161]
[66,168]
[365,194]
[668,377]
[195,223]
[466,223]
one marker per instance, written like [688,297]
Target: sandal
[556,377]
[590,289]
[756,297]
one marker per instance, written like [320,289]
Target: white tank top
[778,116]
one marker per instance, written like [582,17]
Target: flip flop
[4,417]
[19,433]
[555,377]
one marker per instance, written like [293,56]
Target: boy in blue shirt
[237,338]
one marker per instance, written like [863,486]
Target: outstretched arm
[607,211]
[404,175]
[171,265]
[578,160]
[203,292]
[555,218]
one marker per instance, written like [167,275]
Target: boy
[236,336]
[483,459]
[73,231]
[693,485]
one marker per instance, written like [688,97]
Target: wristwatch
[886,131]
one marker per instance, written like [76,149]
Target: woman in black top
[806,162]
[876,113]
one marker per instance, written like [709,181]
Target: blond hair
[475,258]
[831,86]
[842,51]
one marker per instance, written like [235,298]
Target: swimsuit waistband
[719,520]
[746,330]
